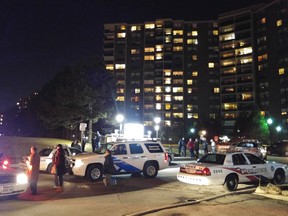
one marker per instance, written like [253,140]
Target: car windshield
[45,152]
[212,158]
[103,147]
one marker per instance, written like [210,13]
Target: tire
[150,170]
[279,177]
[94,173]
[231,183]
[169,159]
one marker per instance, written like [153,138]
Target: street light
[269,121]
[278,129]
[192,130]
[120,119]
[157,129]
[157,120]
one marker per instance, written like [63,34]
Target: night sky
[38,38]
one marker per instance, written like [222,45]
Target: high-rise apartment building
[165,68]
[193,72]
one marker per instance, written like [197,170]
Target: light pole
[120,119]
[157,120]
[278,129]
[270,122]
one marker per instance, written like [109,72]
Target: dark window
[45,152]
[254,159]
[239,159]
[75,151]
[212,158]
[136,148]
[120,149]
[154,147]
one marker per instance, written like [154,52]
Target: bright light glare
[22,178]
[133,131]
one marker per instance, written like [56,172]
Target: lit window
[192,41]
[177,89]
[168,39]
[279,22]
[135,28]
[189,82]
[137,90]
[189,90]
[177,32]
[167,106]
[168,31]
[167,81]
[211,65]
[167,72]
[167,89]
[149,49]
[263,20]
[192,115]
[177,73]
[158,106]
[158,97]
[148,82]
[121,35]
[227,37]
[230,106]
[194,33]
[178,98]
[120,90]
[123,27]
[120,98]
[215,32]
[120,66]
[177,48]
[167,98]
[159,56]
[167,115]
[194,57]
[148,90]
[194,73]
[109,67]
[178,40]
[149,57]
[216,90]
[158,89]
[281,71]
[159,48]
[149,26]
[177,115]
[247,96]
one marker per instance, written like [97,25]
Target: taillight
[206,171]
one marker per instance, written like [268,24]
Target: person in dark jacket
[109,169]
[59,162]
[33,164]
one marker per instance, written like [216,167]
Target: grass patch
[17,147]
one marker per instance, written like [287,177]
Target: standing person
[190,145]
[33,164]
[213,146]
[109,169]
[205,145]
[196,148]
[180,144]
[59,162]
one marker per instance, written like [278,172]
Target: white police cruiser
[129,156]
[230,169]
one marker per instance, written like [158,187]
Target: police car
[130,157]
[12,181]
[230,169]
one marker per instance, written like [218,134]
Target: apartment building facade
[165,68]
[194,73]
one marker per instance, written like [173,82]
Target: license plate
[8,189]
[191,170]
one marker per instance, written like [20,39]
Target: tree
[85,93]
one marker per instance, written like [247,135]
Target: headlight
[22,178]
[78,163]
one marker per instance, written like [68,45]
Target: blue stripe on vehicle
[123,167]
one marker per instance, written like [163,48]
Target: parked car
[278,148]
[249,146]
[170,155]
[46,155]
[229,169]
[12,181]
[129,156]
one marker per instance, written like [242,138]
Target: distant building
[193,72]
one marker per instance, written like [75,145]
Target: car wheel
[94,173]
[169,159]
[279,177]
[150,170]
[231,183]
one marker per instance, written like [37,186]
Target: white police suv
[129,156]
